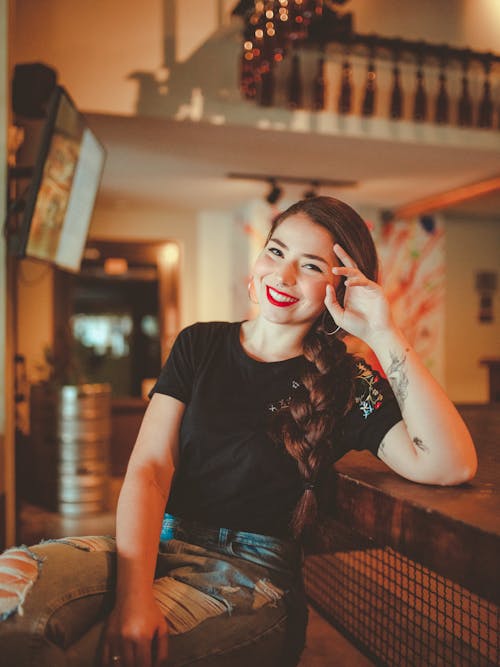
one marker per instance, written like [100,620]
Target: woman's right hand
[136,633]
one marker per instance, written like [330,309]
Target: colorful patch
[370,397]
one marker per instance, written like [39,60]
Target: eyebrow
[309,256]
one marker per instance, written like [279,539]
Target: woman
[241,431]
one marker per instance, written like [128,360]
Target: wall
[7,485]
[471,245]
[215,276]
[128,221]
[472,23]
[94,45]
[35,312]
[98,46]
[3,202]
[3,276]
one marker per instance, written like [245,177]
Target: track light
[274,193]
[312,191]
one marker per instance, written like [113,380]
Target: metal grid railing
[399,612]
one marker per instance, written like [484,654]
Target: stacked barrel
[70,435]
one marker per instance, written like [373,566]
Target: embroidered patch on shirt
[283,403]
[370,398]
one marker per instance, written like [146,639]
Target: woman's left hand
[366,310]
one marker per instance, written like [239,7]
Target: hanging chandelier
[274,27]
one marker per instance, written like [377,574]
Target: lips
[279,299]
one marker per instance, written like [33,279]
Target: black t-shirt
[231,474]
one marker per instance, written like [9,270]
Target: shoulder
[207,330]
[203,336]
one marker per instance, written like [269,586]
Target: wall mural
[412,255]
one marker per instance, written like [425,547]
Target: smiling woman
[230,472]
[292,273]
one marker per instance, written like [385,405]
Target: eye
[275,251]
[313,267]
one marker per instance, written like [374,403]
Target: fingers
[330,295]
[106,654]
[357,280]
[111,651]
[143,653]
[353,276]
[346,259]
[345,270]
[161,650]
[336,310]
[121,654]
[127,655]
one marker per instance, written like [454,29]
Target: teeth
[280,297]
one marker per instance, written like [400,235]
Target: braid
[307,427]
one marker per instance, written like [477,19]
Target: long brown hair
[307,427]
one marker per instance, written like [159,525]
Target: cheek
[317,290]
[262,265]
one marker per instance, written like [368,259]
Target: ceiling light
[274,193]
[312,191]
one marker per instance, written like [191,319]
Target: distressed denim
[230,598]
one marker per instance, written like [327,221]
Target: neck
[270,341]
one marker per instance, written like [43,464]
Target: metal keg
[70,432]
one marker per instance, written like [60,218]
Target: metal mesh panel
[398,611]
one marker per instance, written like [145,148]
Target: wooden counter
[453,530]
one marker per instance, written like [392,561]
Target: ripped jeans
[230,598]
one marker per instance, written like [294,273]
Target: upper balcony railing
[302,54]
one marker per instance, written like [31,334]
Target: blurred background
[215,115]
[145,149]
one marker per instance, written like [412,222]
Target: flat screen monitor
[63,189]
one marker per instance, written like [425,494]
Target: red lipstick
[285,299]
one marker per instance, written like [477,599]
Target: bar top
[476,503]
[453,530]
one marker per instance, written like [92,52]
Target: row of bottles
[260,85]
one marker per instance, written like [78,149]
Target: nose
[286,274]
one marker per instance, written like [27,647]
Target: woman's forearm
[443,447]
[138,524]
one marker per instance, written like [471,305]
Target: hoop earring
[328,333]
[251,291]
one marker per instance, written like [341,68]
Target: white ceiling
[184,164]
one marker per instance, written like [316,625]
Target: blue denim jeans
[230,598]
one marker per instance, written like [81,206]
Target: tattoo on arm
[420,445]
[399,380]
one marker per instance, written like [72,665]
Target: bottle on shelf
[248,85]
[465,101]
[295,84]
[319,86]
[267,84]
[346,88]
[485,111]
[368,106]
[420,105]
[442,112]
[396,107]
